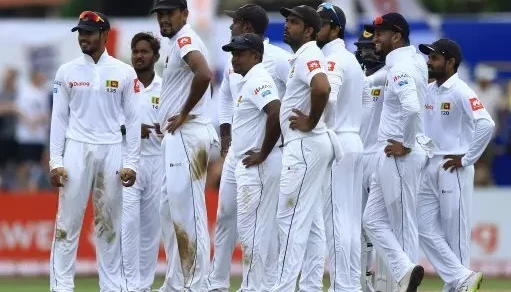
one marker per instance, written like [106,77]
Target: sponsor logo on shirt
[428,106]
[476,104]
[398,77]
[78,83]
[112,83]
[402,82]
[55,90]
[58,83]
[445,107]
[136,86]
[183,41]
[258,89]
[266,93]
[313,65]
[331,66]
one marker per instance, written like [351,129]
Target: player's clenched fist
[300,122]
[128,177]
[58,176]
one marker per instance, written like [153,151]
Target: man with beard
[255,132]
[188,139]
[89,96]
[390,218]
[343,202]
[249,18]
[460,128]
[140,220]
[307,156]
[372,103]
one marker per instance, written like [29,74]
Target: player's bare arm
[225,138]
[202,78]
[320,91]
[271,136]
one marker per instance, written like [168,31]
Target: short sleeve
[263,91]
[187,44]
[309,66]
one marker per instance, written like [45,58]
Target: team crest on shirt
[111,86]
[183,41]
[313,65]
[445,108]
[136,85]
[375,92]
[476,104]
[331,66]
[155,100]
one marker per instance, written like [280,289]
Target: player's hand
[300,122]
[58,176]
[453,163]
[157,130]
[128,177]
[225,142]
[396,149]
[176,121]
[253,158]
[146,130]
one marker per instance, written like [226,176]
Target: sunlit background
[35,38]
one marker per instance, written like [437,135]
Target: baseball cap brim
[164,7]
[233,47]
[426,49]
[288,11]
[364,42]
[230,13]
[85,27]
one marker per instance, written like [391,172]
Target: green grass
[91,284]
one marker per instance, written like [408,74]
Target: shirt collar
[156,81]
[185,28]
[252,72]
[102,58]
[450,82]
[303,48]
[333,45]
[396,55]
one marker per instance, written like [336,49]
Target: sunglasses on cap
[330,6]
[91,15]
[379,21]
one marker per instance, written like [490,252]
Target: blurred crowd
[25,111]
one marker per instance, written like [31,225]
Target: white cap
[485,72]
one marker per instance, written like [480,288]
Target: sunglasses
[90,15]
[330,6]
[379,21]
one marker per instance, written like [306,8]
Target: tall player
[255,132]
[249,18]
[140,220]
[460,128]
[372,103]
[188,139]
[390,217]
[343,203]
[89,96]
[307,155]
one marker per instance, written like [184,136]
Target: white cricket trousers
[390,217]
[305,168]
[445,203]
[183,206]
[226,234]
[343,216]
[381,274]
[141,232]
[258,193]
[95,168]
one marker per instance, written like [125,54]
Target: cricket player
[390,218]
[372,103]
[460,128]
[89,95]
[255,132]
[249,18]
[186,145]
[343,201]
[307,156]
[140,219]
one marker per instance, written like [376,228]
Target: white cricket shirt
[405,87]
[305,64]
[88,100]
[149,103]
[372,104]
[347,84]
[275,61]
[177,77]
[257,89]
[452,114]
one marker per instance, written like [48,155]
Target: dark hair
[148,37]
[341,30]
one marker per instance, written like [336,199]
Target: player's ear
[156,58]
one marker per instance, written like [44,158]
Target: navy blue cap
[444,47]
[168,5]
[391,21]
[333,14]
[243,42]
[306,13]
[253,14]
[92,21]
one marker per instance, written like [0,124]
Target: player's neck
[440,81]
[146,77]
[96,55]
